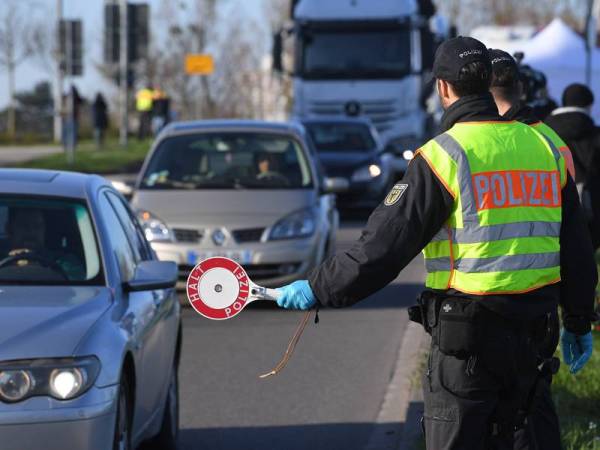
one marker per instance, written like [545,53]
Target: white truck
[361,57]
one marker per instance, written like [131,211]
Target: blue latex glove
[297,295]
[576,350]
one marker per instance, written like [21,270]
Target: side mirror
[125,188]
[151,275]
[335,185]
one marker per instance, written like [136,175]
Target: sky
[91,12]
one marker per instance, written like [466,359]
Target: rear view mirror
[335,185]
[151,275]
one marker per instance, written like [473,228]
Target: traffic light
[71,47]
[138,16]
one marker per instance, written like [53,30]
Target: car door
[160,342]
[140,309]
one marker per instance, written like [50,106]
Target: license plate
[240,256]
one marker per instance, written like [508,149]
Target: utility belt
[460,326]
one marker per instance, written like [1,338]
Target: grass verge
[111,159]
[577,399]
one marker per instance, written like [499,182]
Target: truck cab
[363,58]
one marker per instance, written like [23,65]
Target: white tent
[560,53]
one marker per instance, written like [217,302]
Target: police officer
[507,90]
[499,228]
[541,430]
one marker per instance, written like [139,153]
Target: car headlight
[62,379]
[154,228]
[14,385]
[297,225]
[408,154]
[366,173]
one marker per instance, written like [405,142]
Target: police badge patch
[395,194]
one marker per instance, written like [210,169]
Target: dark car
[350,148]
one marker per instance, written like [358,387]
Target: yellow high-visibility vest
[143,100]
[503,234]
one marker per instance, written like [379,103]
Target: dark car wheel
[122,439]
[168,435]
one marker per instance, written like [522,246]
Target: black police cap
[503,62]
[452,55]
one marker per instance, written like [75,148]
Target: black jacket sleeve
[393,236]
[577,265]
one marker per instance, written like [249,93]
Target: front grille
[256,272]
[187,235]
[248,235]
[381,112]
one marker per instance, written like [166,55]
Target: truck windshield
[355,54]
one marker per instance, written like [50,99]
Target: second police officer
[500,228]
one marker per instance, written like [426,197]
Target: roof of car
[230,124]
[47,182]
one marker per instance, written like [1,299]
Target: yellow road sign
[198,64]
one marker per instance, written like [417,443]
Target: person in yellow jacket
[491,205]
[144,100]
[542,427]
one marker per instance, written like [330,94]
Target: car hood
[231,208]
[49,321]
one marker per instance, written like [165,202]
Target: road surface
[327,398]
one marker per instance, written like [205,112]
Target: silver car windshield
[228,160]
[47,241]
[341,137]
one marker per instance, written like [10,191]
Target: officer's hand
[297,295]
[576,350]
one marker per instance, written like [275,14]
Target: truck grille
[187,235]
[248,235]
[381,112]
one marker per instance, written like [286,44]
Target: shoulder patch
[395,194]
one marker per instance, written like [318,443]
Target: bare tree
[467,14]
[17,32]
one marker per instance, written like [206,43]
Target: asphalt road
[329,395]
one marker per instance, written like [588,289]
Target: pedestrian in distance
[491,205]
[575,124]
[72,104]
[144,101]
[99,120]
[541,430]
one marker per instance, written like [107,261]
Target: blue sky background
[91,12]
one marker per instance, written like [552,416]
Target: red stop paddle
[219,289]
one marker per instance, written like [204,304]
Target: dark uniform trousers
[542,429]
[473,400]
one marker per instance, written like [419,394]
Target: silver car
[90,326]
[248,190]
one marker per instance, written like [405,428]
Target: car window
[228,160]
[138,242]
[120,245]
[48,241]
[341,137]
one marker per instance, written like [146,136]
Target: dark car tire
[122,435]
[168,436]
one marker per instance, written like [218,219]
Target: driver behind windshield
[26,230]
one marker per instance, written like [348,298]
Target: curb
[395,424]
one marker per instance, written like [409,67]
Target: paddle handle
[261,293]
